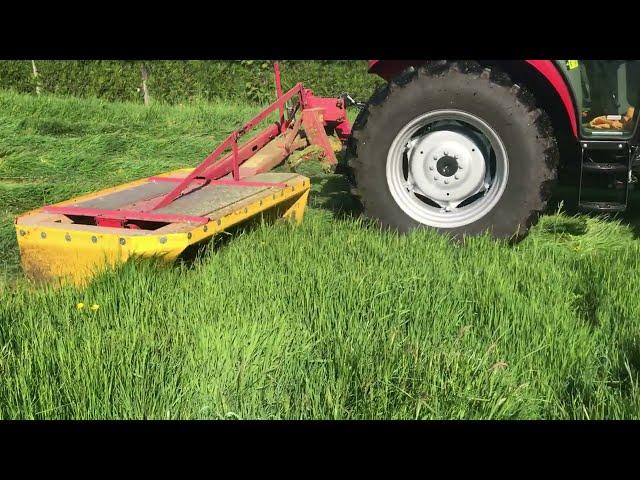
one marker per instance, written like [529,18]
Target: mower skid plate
[64,246]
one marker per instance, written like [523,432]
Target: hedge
[178,81]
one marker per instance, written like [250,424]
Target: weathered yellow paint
[296,211]
[75,253]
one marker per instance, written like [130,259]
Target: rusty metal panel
[116,200]
[209,199]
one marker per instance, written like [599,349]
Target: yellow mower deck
[52,246]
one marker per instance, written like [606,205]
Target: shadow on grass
[217,242]
[566,195]
[332,192]
[627,371]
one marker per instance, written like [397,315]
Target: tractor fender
[387,69]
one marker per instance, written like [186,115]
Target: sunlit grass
[334,319]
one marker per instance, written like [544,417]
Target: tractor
[463,147]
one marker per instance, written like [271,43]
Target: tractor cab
[607,99]
[607,96]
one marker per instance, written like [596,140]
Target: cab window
[607,95]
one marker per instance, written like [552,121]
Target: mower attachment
[164,215]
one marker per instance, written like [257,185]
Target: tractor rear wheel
[455,147]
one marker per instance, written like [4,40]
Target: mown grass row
[334,319]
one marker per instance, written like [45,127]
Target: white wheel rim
[447,168]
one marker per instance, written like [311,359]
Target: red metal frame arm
[231,141]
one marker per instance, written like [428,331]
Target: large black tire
[486,93]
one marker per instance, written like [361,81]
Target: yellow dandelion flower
[95,307]
[80,306]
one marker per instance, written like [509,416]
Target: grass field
[334,319]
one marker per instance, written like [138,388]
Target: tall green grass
[333,319]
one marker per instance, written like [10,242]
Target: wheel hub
[447,166]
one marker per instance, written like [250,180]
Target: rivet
[189,235]
[94,239]
[22,233]
[245,210]
[274,196]
[430,168]
[122,241]
[260,202]
[457,177]
[435,178]
[446,182]
[43,234]
[219,222]
[163,239]
[292,189]
[205,228]
[67,237]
